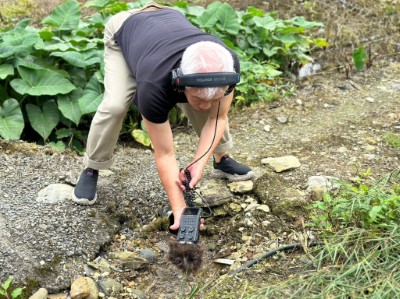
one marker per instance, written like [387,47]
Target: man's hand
[177,219]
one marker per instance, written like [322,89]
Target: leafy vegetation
[5,290]
[51,78]
[360,226]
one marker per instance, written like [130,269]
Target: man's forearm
[207,136]
[169,175]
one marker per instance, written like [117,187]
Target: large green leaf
[227,19]
[266,22]
[38,82]
[209,17]
[98,4]
[69,105]
[43,119]
[11,120]
[6,70]
[18,42]
[92,96]
[65,16]
[80,59]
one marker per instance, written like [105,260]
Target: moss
[49,267]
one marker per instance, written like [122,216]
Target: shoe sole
[218,174]
[83,201]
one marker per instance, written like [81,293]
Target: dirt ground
[336,125]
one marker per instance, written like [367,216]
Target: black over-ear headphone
[215,79]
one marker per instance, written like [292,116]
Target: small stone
[282,163]
[263,208]
[282,119]
[40,294]
[79,288]
[241,186]
[370,100]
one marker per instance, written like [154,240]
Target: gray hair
[205,57]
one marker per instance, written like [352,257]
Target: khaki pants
[120,87]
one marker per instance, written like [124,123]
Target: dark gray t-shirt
[152,44]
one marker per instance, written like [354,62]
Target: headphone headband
[213,79]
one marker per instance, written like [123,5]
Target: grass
[354,263]
[360,258]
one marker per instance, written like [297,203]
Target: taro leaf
[302,22]
[41,82]
[98,4]
[137,4]
[92,96]
[65,16]
[209,17]
[69,105]
[43,119]
[59,145]
[360,58]
[11,120]
[253,11]
[266,22]
[141,136]
[227,19]
[6,70]
[80,59]
[20,42]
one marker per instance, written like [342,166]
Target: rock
[234,207]
[263,208]
[57,296]
[163,246]
[40,294]
[137,294]
[80,288]
[282,163]
[109,286]
[284,201]
[55,193]
[100,264]
[282,119]
[326,183]
[252,206]
[130,259]
[241,186]
[149,255]
[214,193]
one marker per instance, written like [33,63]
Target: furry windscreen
[186,257]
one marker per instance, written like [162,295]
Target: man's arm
[168,170]
[207,135]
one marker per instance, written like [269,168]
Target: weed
[5,289]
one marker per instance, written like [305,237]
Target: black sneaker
[85,190]
[232,170]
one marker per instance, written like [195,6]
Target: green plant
[5,290]
[360,206]
[353,263]
[393,139]
[360,58]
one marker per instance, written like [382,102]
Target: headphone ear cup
[175,76]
